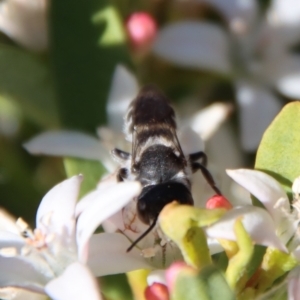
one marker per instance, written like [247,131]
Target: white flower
[254,51]
[256,221]
[76,282]
[274,226]
[76,144]
[25,22]
[293,281]
[31,259]
[11,293]
[285,219]
[269,192]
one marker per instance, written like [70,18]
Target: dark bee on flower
[157,160]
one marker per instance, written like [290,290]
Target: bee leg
[122,158]
[120,155]
[197,166]
[122,174]
[198,155]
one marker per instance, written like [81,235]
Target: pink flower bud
[157,291]
[173,271]
[218,201]
[142,29]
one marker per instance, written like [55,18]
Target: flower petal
[244,10]
[11,293]
[123,90]
[106,182]
[294,284]
[256,221]
[59,204]
[68,143]
[157,276]
[262,186]
[208,120]
[8,222]
[25,22]
[196,45]
[76,283]
[190,141]
[270,193]
[107,255]
[223,149]
[214,246]
[8,239]
[20,273]
[105,203]
[286,12]
[288,79]
[283,18]
[258,107]
[125,221]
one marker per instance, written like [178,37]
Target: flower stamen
[37,240]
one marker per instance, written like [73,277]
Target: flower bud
[142,29]
[218,201]
[157,291]
[174,270]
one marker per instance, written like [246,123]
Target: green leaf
[209,284]
[278,152]
[92,172]
[114,32]
[82,66]
[25,79]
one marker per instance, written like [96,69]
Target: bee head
[153,198]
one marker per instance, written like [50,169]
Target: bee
[157,159]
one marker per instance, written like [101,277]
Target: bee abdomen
[151,109]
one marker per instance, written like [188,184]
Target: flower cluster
[250,251]
[70,70]
[276,227]
[61,246]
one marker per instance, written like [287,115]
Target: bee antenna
[143,234]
